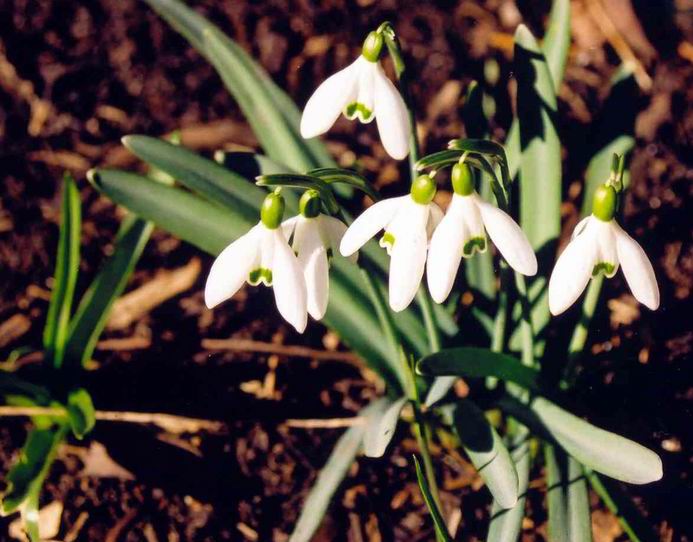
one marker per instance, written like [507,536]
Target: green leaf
[66,268]
[381,426]
[329,479]
[346,176]
[613,132]
[579,518]
[442,533]
[506,524]
[202,176]
[487,453]
[540,167]
[81,413]
[472,362]
[93,311]
[250,164]
[272,115]
[32,465]
[557,480]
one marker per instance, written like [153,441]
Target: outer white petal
[370,222]
[391,116]
[333,231]
[289,285]
[580,226]
[508,237]
[436,215]
[636,268]
[408,253]
[445,252]
[328,100]
[573,270]
[230,270]
[312,258]
[289,225]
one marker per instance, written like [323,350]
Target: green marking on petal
[260,275]
[477,244]
[387,241]
[356,109]
[607,268]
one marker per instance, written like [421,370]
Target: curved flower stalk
[361,91]
[315,238]
[462,232]
[599,245]
[408,222]
[263,256]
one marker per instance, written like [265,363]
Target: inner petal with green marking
[357,109]
[475,244]
[260,275]
[608,268]
[387,241]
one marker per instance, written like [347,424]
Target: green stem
[579,338]
[429,320]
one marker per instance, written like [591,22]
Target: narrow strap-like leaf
[66,268]
[442,533]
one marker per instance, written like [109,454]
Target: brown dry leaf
[99,464]
[48,522]
[605,526]
[13,328]
[164,286]
[624,311]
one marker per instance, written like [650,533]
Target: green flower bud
[310,204]
[372,46]
[423,189]
[462,179]
[604,203]
[272,211]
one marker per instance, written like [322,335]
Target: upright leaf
[94,308]
[66,268]
[557,480]
[442,534]
[579,519]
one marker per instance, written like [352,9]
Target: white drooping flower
[599,245]
[263,256]
[408,222]
[462,232]
[363,91]
[316,236]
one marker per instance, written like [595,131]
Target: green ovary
[477,244]
[356,109]
[260,275]
[607,268]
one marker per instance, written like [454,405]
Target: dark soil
[76,76]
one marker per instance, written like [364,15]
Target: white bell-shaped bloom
[600,246]
[408,222]
[462,232]
[363,91]
[263,256]
[314,241]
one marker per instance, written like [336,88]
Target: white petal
[445,252]
[328,100]
[573,270]
[289,285]
[637,269]
[606,240]
[436,215]
[370,222]
[289,225]
[580,227]
[408,253]
[508,237]
[392,116]
[312,257]
[366,92]
[230,270]
[333,230]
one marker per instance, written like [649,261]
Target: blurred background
[77,76]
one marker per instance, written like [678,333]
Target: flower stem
[579,338]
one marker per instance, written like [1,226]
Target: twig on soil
[244,345]
[168,422]
[328,423]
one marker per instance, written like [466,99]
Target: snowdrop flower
[408,222]
[599,245]
[461,233]
[363,91]
[315,237]
[263,256]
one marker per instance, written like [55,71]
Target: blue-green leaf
[381,426]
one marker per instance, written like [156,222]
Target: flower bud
[272,211]
[423,189]
[462,179]
[604,203]
[372,46]
[310,204]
